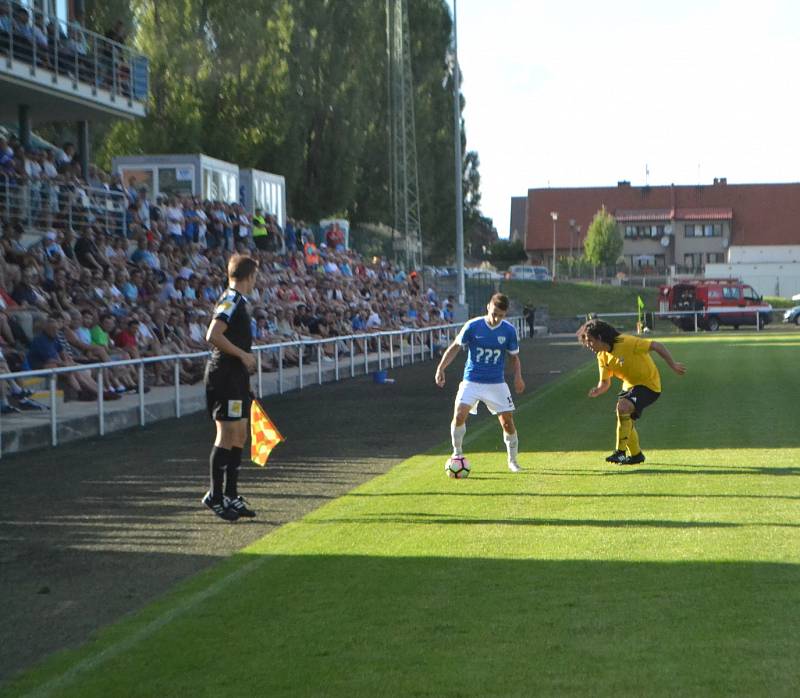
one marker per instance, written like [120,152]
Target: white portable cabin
[180,175]
[263,190]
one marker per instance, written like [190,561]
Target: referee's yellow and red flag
[264,435]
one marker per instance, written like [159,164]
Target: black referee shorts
[641,397]
[227,393]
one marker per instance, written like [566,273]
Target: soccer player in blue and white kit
[488,339]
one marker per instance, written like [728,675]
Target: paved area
[96,529]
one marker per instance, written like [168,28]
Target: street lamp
[554,216]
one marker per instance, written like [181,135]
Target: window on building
[715,258]
[688,261]
[176,181]
[135,178]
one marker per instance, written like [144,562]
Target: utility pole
[403,178]
[461,298]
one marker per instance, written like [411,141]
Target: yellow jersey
[630,361]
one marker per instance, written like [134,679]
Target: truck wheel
[797,320]
[713,324]
[736,327]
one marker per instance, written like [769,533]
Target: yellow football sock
[624,426]
[633,441]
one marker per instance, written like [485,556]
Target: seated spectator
[87,252]
[128,338]
[46,351]
[29,293]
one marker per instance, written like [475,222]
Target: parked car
[527,272]
[792,315]
[719,300]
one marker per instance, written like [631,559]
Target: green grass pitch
[680,576]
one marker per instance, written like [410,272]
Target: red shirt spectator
[126,338]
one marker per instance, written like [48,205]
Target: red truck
[710,295]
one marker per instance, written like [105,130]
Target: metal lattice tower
[404,179]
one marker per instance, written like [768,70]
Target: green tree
[298,87]
[603,242]
[504,253]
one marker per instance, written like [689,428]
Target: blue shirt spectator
[44,350]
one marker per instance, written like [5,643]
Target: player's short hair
[597,329]
[241,266]
[499,301]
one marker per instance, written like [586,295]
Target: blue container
[380,376]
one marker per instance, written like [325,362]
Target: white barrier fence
[392,348]
[709,319]
[59,204]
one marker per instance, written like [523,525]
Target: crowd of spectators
[85,294]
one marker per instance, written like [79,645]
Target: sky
[585,93]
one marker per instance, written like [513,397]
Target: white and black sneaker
[239,505]
[219,508]
[514,467]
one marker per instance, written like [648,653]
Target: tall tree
[298,87]
[603,241]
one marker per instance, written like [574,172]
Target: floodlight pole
[461,295]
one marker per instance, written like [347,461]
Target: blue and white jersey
[487,347]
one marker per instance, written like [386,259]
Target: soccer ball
[457,467]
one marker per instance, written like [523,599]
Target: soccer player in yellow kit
[628,358]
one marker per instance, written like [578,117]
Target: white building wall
[769,279]
[758,254]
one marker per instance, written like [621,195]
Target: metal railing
[68,49]
[59,203]
[388,349]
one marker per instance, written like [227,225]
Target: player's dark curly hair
[597,329]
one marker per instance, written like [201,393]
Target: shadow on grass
[694,470]
[444,519]
[576,495]
[368,626]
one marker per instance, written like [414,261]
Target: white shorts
[496,396]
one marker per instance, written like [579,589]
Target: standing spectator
[143,207]
[175,221]
[260,232]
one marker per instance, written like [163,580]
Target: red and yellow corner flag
[264,435]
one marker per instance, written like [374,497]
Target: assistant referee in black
[227,381]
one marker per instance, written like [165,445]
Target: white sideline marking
[126,643]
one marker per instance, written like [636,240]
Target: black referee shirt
[231,308]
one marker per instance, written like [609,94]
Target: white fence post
[53,418]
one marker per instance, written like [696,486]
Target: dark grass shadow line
[438,519]
[692,470]
[577,495]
